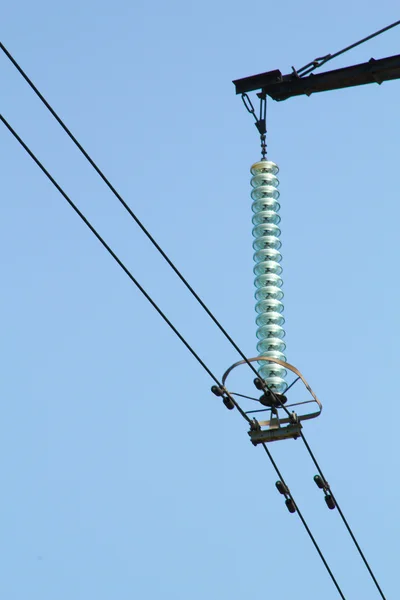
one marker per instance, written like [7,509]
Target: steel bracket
[275,433]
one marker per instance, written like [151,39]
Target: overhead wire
[343,517]
[304,521]
[140,224]
[260,410]
[164,317]
[127,207]
[330,491]
[313,65]
[173,266]
[302,72]
[118,261]
[250,108]
[318,62]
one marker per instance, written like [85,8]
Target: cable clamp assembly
[275,432]
[282,424]
[224,394]
[284,490]
[324,485]
[255,425]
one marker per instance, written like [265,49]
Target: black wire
[178,273]
[304,522]
[342,516]
[120,263]
[145,231]
[249,412]
[127,208]
[165,318]
[324,59]
[287,389]
[291,385]
[247,397]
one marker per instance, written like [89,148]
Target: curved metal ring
[287,366]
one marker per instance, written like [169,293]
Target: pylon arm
[281,87]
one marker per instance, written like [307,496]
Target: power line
[164,317]
[304,522]
[318,62]
[120,263]
[126,206]
[343,517]
[178,273]
[143,228]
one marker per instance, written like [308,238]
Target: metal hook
[261,122]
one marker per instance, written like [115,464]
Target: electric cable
[142,227]
[168,260]
[343,517]
[304,522]
[120,263]
[260,410]
[127,207]
[318,62]
[165,318]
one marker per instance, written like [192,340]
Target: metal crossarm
[281,87]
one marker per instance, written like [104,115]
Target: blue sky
[123,476]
